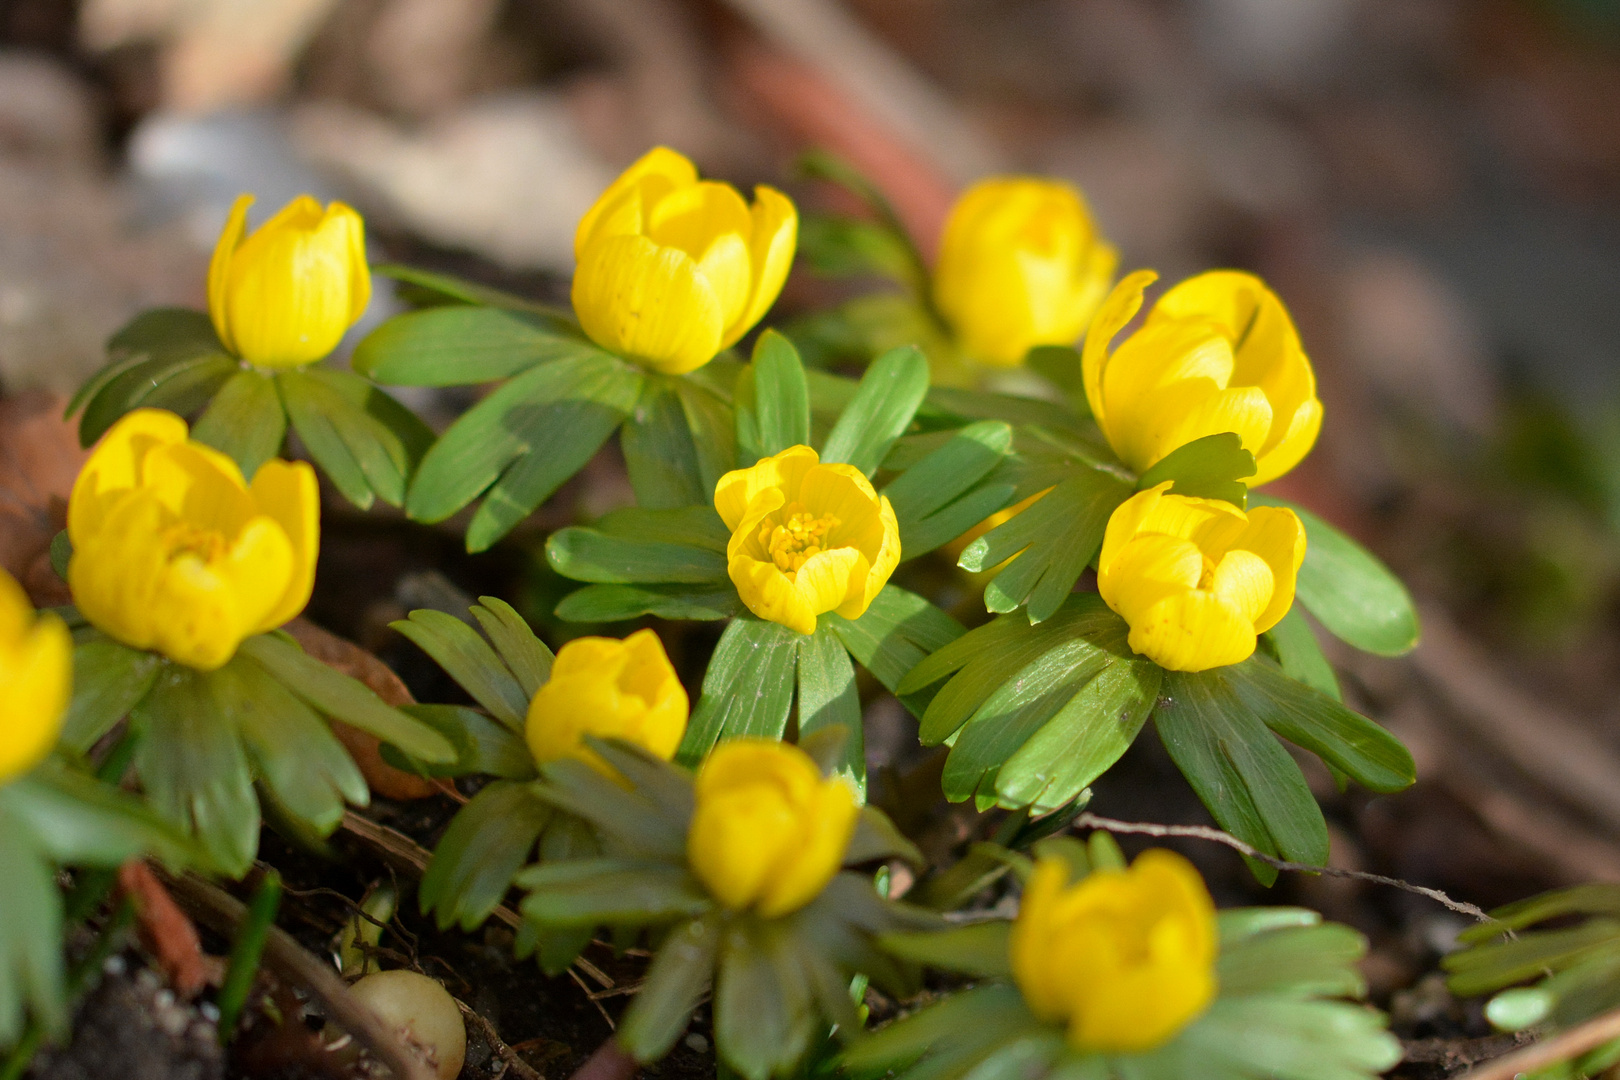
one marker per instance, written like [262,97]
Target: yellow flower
[1125,959]
[1217,353]
[1198,579]
[284,296]
[1021,264]
[174,551]
[610,689]
[36,680]
[672,269]
[769,831]
[806,538]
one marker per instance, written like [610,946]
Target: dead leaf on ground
[39,458]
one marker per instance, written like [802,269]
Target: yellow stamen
[792,544]
[185,538]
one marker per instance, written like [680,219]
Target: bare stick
[216,908]
[522,1068]
[1205,832]
[1577,1040]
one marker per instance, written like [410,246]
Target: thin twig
[1577,1040]
[572,974]
[517,1065]
[1205,832]
[218,909]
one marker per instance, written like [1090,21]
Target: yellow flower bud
[1125,959]
[1217,353]
[174,551]
[1198,579]
[284,296]
[610,689]
[672,269]
[806,538]
[769,832]
[1021,264]
[36,680]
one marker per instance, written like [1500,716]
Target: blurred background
[1432,185]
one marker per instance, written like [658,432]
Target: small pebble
[114,966]
[210,1012]
[697,1043]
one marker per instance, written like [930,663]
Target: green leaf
[1209,468]
[977,949]
[525,654]
[962,1026]
[639,821]
[763,1017]
[468,659]
[620,603]
[935,500]
[364,440]
[1061,366]
[607,556]
[1485,968]
[1300,654]
[896,632]
[108,679]
[823,165]
[483,746]
[780,398]
[876,837]
[1306,961]
[165,356]
[79,821]
[1349,591]
[1249,783]
[343,698]
[828,699]
[748,689]
[985,657]
[193,767]
[461,345]
[487,842]
[1270,1036]
[677,979]
[709,418]
[1083,739]
[1593,899]
[296,755]
[245,420]
[1236,924]
[609,892]
[30,937]
[1057,537]
[1345,740]
[848,247]
[881,410]
[659,451]
[432,288]
[527,411]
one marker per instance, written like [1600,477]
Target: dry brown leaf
[39,459]
[349,658]
[166,932]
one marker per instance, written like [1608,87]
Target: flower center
[800,536]
[1206,579]
[185,538]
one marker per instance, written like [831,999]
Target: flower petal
[1116,311]
[768,593]
[288,493]
[1244,580]
[219,267]
[648,302]
[1276,535]
[655,174]
[116,465]
[1193,631]
[773,238]
[784,471]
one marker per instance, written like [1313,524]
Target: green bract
[367,443]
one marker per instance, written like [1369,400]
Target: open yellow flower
[1021,264]
[285,295]
[1124,959]
[806,538]
[672,269]
[610,689]
[1198,579]
[174,551]
[768,831]
[36,680]
[1217,353]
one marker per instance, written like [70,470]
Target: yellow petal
[828,578]
[287,297]
[1243,580]
[1275,535]
[783,472]
[725,267]
[288,493]
[199,484]
[689,218]
[658,172]
[844,492]
[1193,631]
[116,465]
[773,238]
[258,570]
[343,220]
[648,302]
[1241,409]
[1300,436]
[1030,942]
[825,827]
[768,593]
[1146,570]
[36,680]
[219,267]
[887,558]
[735,841]
[1116,311]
